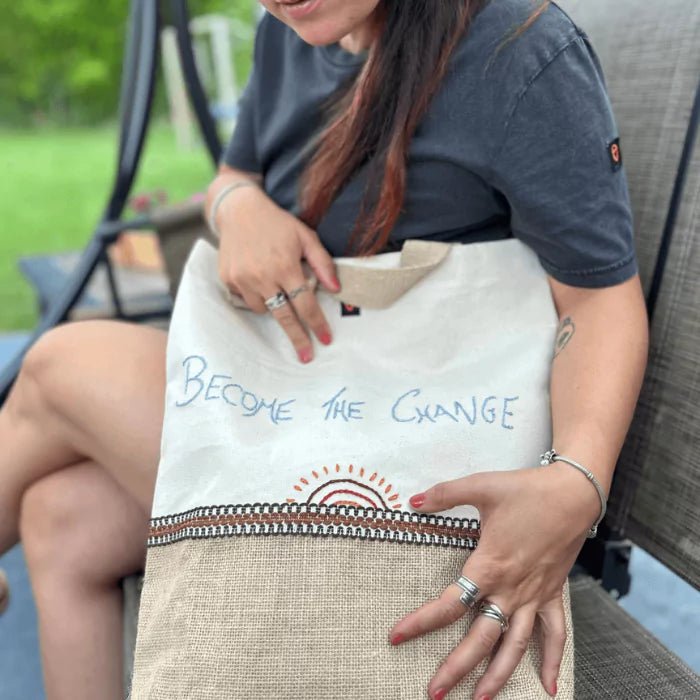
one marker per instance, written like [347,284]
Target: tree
[61,60]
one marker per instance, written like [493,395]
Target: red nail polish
[418,500]
[336,283]
[305,355]
[554,688]
[484,697]
[397,638]
[325,338]
[440,694]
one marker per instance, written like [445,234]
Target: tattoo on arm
[564,332]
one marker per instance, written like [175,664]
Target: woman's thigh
[78,525]
[100,386]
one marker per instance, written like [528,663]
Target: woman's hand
[533,524]
[260,254]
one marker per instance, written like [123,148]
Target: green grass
[54,185]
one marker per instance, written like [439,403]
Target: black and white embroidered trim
[316,520]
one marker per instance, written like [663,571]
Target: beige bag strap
[380,287]
[377,287]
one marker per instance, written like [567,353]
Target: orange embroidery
[351,490]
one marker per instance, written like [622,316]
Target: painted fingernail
[418,500]
[484,697]
[335,282]
[325,338]
[440,694]
[554,688]
[305,355]
[397,638]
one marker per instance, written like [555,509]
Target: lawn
[54,186]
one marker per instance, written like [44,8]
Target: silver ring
[274,302]
[489,609]
[471,591]
[298,290]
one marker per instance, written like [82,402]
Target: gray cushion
[616,657]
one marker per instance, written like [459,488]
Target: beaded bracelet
[551,456]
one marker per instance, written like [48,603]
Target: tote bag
[282,545]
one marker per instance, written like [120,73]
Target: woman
[463,121]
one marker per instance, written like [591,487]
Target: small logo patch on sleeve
[615,154]
[349,310]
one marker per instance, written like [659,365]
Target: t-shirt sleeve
[560,168]
[241,151]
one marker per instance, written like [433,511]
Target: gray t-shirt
[526,146]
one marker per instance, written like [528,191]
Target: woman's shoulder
[503,55]
[513,40]
[545,23]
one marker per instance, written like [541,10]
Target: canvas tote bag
[282,545]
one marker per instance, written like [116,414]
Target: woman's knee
[77,523]
[44,361]
[84,373]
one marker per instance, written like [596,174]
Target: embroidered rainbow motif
[346,486]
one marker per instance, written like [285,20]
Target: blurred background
[60,73]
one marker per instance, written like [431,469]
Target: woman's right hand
[260,254]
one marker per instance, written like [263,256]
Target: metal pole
[198,98]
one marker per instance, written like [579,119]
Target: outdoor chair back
[650,54]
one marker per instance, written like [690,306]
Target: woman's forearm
[597,372]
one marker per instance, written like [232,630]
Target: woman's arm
[597,372]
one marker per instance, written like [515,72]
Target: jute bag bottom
[300,616]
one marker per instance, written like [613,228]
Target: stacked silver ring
[492,610]
[471,591]
[274,302]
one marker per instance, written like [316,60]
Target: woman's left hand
[533,525]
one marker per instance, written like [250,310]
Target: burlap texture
[305,617]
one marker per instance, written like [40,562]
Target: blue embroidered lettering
[506,412]
[192,378]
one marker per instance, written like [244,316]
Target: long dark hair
[371,120]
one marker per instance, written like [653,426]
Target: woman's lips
[296,9]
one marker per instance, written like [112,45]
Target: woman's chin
[318,35]
[318,40]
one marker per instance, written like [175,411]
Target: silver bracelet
[225,191]
[551,456]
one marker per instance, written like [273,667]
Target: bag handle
[380,287]
[377,287]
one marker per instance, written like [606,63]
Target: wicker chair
[650,53]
